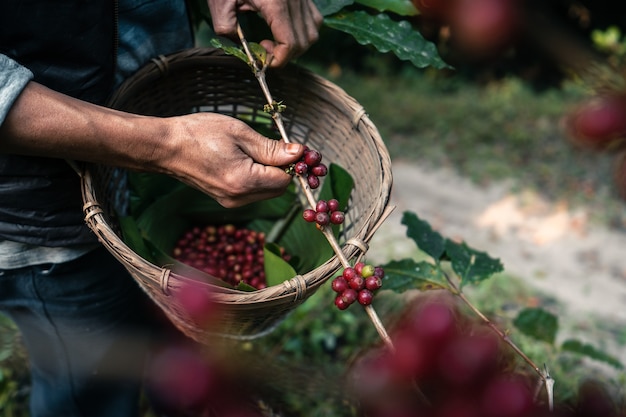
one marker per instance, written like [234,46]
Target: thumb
[273,152]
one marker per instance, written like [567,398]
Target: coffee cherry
[309,215]
[321,206]
[349,273]
[357,283]
[319,170]
[379,272]
[358,267]
[322,218]
[367,271]
[349,296]
[339,284]
[365,297]
[312,157]
[373,283]
[301,168]
[337,217]
[341,303]
[313,181]
[599,123]
[333,205]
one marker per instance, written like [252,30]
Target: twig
[544,375]
[259,73]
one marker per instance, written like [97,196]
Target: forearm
[42,122]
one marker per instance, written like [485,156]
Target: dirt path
[550,247]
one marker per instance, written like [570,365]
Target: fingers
[263,175]
[295,27]
[224,16]
[294,24]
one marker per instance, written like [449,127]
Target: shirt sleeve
[13,79]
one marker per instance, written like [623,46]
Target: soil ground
[553,249]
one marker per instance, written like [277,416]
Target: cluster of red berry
[442,366]
[311,167]
[227,252]
[358,283]
[325,212]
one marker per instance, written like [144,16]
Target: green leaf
[537,323]
[230,49]
[328,7]
[426,239]
[388,35]
[401,7]
[585,349]
[338,184]
[471,265]
[406,274]
[131,235]
[277,269]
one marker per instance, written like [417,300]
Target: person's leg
[82,323]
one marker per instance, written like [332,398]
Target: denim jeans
[86,333]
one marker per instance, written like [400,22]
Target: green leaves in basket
[165,209]
[339,185]
[276,269]
[471,266]
[132,236]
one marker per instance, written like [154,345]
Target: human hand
[227,159]
[294,24]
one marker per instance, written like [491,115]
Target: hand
[227,159]
[216,154]
[294,24]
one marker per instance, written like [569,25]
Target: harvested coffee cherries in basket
[231,253]
[357,284]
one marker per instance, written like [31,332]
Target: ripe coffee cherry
[301,168]
[309,215]
[339,284]
[322,218]
[365,297]
[333,205]
[321,206]
[373,283]
[358,267]
[341,303]
[599,123]
[349,273]
[313,181]
[319,170]
[357,283]
[349,296]
[379,272]
[484,27]
[312,157]
[337,217]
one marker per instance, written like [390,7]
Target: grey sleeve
[13,79]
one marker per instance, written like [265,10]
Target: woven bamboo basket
[318,114]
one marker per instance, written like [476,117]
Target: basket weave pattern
[318,114]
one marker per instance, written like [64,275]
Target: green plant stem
[259,73]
